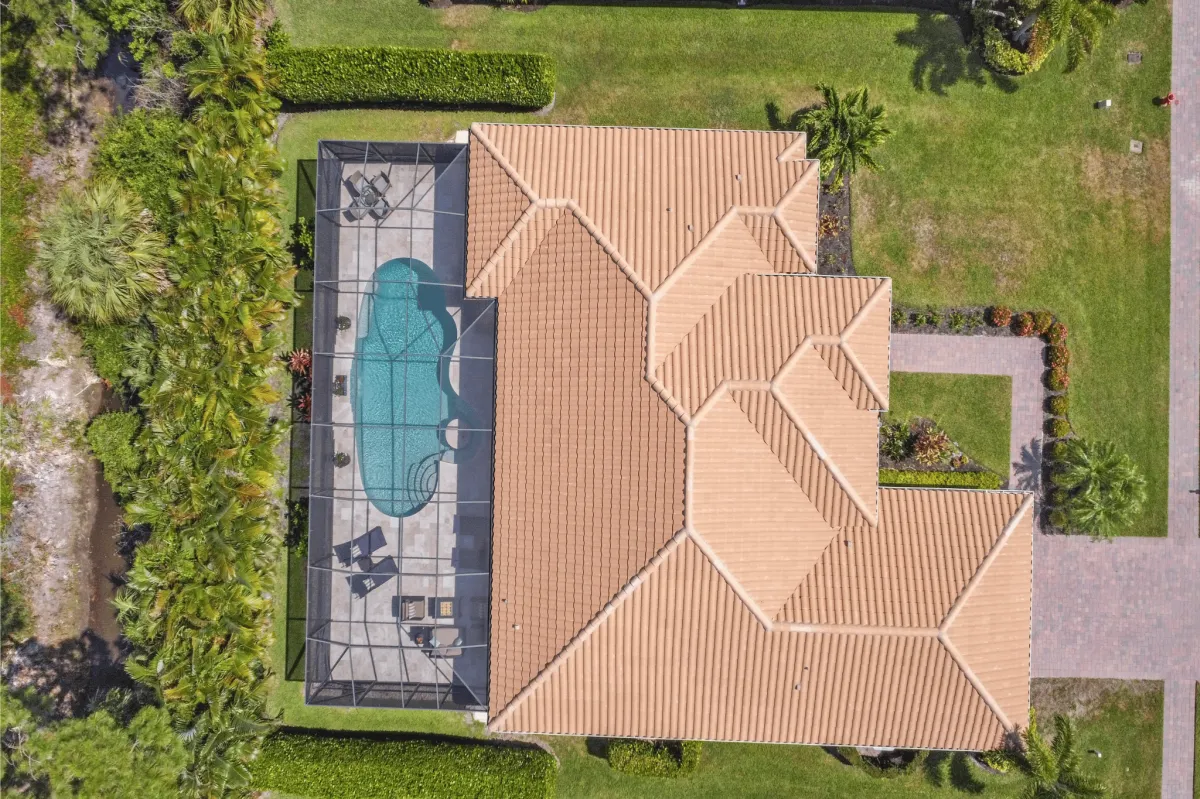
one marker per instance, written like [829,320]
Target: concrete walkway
[1018,358]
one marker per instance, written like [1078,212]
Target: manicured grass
[974,410]
[1127,729]
[993,191]
[1196,750]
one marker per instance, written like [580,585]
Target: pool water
[397,398]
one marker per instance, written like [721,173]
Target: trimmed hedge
[984,480]
[325,767]
[653,758]
[332,75]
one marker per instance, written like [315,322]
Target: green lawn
[993,191]
[974,410]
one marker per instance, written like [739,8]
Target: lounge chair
[362,547]
[378,574]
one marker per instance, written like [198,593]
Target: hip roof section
[686,458]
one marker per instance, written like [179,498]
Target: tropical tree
[102,255]
[46,39]
[1053,769]
[1077,25]
[842,132]
[1102,490]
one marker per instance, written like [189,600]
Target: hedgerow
[320,767]
[984,480]
[338,75]
[653,758]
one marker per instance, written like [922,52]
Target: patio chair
[409,608]
[355,182]
[378,574]
[381,210]
[361,547]
[381,183]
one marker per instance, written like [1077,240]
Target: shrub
[1059,379]
[984,480]
[275,37]
[958,321]
[999,316]
[1057,334]
[323,767]
[1000,55]
[1000,760]
[141,151]
[1059,428]
[934,316]
[15,620]
[1023,324]
[297,526]
[829,225]
[331,75]
[1059,519]
[1105,489]
[653,758]
[1042,321]
[899,318]
[302,243]
[1058,356]
[1059,405]
[931,445]
[894,440]
[110,435]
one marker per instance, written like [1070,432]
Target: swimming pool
[399,403]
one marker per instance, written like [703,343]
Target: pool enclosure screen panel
[401,472]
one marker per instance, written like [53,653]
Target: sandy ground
[47,546]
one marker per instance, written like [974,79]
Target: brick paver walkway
[1019,358]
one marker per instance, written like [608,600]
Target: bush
[1059,379]
[1023,324]
[141,151]
[931,445]
[297,526]
[118,352]
[1042,321]
[984,480]
[899,318]
[653,758]
[958,321]
[1059,428]
[1059,405]
[1058,356]
[275,37]
[325,767]
[302,243]
[894,440]
[1000,760]
[1000,55]
[110,435]
[15,621]
[1059,519]
[1057,334]
[999,316]
[332,75]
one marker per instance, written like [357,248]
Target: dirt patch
[464,16]
[1079,698]
[47,545]
[1141,183]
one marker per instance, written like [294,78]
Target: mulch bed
[835,255]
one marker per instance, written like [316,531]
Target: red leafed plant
[1000,316]
[299,362]
[931,445]
[303,405]
[1042,321]
[1057,334]
[1023,324]
[1059,379]
[1059,357]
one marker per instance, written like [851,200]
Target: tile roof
[688,536]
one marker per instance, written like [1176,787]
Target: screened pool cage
[401,472]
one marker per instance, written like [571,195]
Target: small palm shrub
[894,439]
[1077,24]
[1105,491]
[999,316]
[899,318]
[102,255]
[1023,324]
[931,446]
[1053,771]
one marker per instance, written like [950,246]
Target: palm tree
[1077,24]
[102,255]
[1104,491]
[1053,769]
[842,132]
[236,17]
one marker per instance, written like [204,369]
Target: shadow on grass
[944,58]
[954,768]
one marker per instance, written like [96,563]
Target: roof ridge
[784,226]
[601,616]
[849,330]
[793,133]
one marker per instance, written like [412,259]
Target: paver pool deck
[1128,608]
